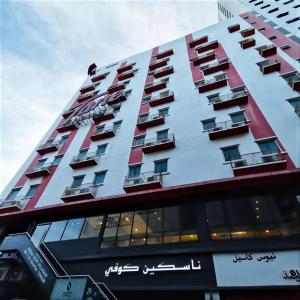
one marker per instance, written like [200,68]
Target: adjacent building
[172,173]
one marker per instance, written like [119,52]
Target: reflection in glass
[55,231]
[73,229]
[139,228]
[39,233]
[110,231]
[92,227]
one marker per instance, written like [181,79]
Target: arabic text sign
[258,269]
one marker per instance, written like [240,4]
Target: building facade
[172,173]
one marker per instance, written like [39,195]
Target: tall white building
[175,172]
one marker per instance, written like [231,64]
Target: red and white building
[175,172]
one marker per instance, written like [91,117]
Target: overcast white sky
[46,47]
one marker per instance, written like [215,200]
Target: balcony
[84,192]
[125,68]
[67,113]
[155,86]
[267,50]
[126,75]
[228,128]
[257,163]
[247,32]
[158,63]
[84,97]
[146,121]
[117,98]
[200,59]
[234,28]
[211,84]
[116,87]
[67,126]
[163,72]
[42,171]
[103,115]
[87,88]
[269,66]
[199,41]
[293,80]
[247,43]
[164,54]
[88,160]
[232,99]
[207,46]
[48,147]
[154,145]
[13,205]
[146,181]
[99,77]
[297,110]
[103,133]
[162,98]
[220,65]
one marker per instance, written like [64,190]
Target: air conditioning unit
[151,178]
[137,181]
[217,128]
[237,124]
[239,163]
[68,193]
[148,144]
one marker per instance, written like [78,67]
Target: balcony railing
[220,65]
[99,77]
[154,144]
[227,128]
[163,72]
[203,58]
[49,146]
[155,86]
[267,50]
[87,88]
[103,114]
[147,180]
[247,32]
[147,121]
[11,205]
[164,54]
[227,100]
[39,171]
[116,87]
[162,98]
[66,126]
[80,161]
[247,43]
[85,191]
[127,74]
[102,133]
[258,162]
[207,46]
[209,84]
[234,28]
[269,65]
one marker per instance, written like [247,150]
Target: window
[124,229]
[272,10]
[293,20]
[160,166]
[57,159]
[77,181]
[111,227]
[143,118]
[292,77]
[213,98]
[262,29]
[73,229]
[139,140]
[139,228]
[231,153]
[295,102]
[283,14]
[49,142]
[164,112]
[146,100]
[39,233]
[82,154]
[64,138]
[134,171]
[238,117]
[162,135]
[12,195]
[55,231]
[273,37]
[40,163]
[285,47]
[117,125]
[265,6]
[99,177]
[92,227]
[101,149]
[116,109]
[208,124]
[32,191]
[268,147]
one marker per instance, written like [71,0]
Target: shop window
[39,233]
[111,227]
[124,229]
[73,229]
[154,229]
[92,227]
[139,228]
[55,231]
